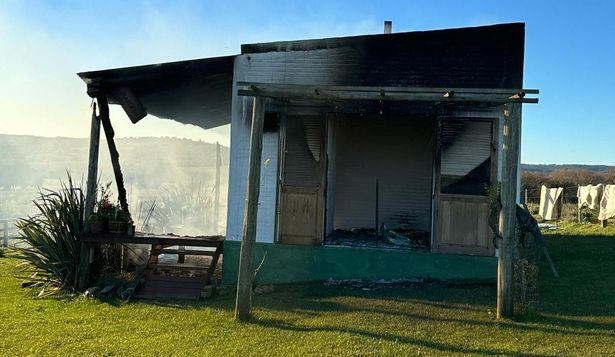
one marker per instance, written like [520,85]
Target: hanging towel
[589,195]
[549,202]
[607,204]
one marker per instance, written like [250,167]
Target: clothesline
[593,196]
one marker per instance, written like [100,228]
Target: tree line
[567,178]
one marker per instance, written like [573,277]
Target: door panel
[301,216]
[464,226]
[466,162]
[301,204]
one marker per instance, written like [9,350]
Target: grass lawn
[576,316]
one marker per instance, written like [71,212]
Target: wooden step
[178,266]
[210,253]
[170,278]
[165,292]
[170,287]
[171,281]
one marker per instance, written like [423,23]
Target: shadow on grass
[314,301]
[567,302]
[442,347]
[421,303]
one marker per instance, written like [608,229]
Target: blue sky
[570,54]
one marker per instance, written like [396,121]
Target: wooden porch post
[243,304]
[83,275]
[115,155]
[511,131]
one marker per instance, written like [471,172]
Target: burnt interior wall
[398,151]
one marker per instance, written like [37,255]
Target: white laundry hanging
[607,204]
[589,195]
[549,202]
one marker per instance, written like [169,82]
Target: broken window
[466,157]
[304,140]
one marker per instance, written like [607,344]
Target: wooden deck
[169,280]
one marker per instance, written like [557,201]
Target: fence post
[6,234]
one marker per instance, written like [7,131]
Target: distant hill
[548,168]
[176,174]
[31,160]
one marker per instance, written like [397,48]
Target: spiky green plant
[183,209]
[51,251]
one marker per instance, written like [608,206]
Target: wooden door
[464,225]
[465,168]
[301,203]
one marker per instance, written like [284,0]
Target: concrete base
[294,263]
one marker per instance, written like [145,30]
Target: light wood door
[464,225]
[465,165]
[301,203]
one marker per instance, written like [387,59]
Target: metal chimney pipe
[388,27]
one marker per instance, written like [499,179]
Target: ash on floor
[390,239]
[368,285]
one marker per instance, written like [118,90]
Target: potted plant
[118,222]
[98,223]
[99,219]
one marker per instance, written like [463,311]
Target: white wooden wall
[326,67]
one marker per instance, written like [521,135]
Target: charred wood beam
[444,95]
[90,196]
[130,103]
[115,155]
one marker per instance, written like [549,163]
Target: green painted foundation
[294,263]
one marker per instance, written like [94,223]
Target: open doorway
[379,181]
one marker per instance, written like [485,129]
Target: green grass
[576,316]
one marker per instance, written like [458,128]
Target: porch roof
[194,92]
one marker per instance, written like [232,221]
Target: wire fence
[569,209]
[532,195]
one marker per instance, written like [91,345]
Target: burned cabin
[377,154]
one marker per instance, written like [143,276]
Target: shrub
[51,255]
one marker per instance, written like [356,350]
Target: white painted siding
[326,67]
[265,222]
[239,160]
[305,67]
[396,151]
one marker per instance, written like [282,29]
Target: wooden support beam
[444,95]
[440,90]
[510,155]
[243,304]
[216,214]
[90,195]
[115,155]
[83,274]
[435,205]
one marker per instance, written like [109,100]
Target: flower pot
[117,227]
[99,227]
